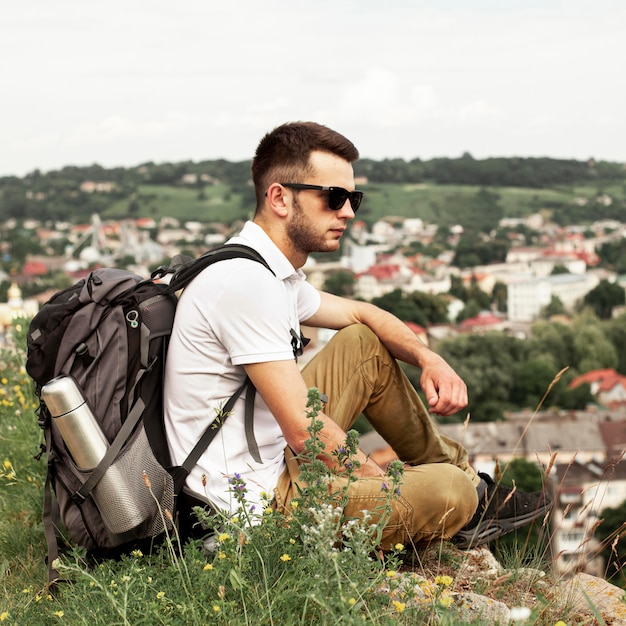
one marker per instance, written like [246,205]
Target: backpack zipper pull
[132,317]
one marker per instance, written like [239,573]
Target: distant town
[546,280]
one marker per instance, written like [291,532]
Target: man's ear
[278,199]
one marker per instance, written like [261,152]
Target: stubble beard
[302,234]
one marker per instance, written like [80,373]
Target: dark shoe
[500,511]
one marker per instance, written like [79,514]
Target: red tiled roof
[482,319]
[34,268]
[383,271]
[606,379]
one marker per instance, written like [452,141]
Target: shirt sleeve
[309,300]
[256,313]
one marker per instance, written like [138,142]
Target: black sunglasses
[337,196]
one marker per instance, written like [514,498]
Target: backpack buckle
[78,498]
[43,416]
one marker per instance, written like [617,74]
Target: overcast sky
[128,81]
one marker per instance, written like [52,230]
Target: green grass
[217,203]
[440,204]
[280,570]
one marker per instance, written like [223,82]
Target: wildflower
[160,595]
[446,601]
[294,504]
[391,573]
[446,581]
[520,613]
[292,541]
[285,557]
[7,464]
[216,608]
[58,613]
[125,579]
[208,567]
[221,555]
[399,547]
[137,554]
[399,606]
[560,623]
[5,614]
[223,537]
[351,601]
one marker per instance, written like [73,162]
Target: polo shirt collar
[255,237]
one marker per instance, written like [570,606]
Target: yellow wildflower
[137,554]
[59,613]
[208,567]
[399,606]
[223,537]
[446,581]
[4,615]
[351,601]
[560,623]
[399,547]
[216,608]
[160,595]
[390,574]
[446,601]
[221,555]
[7,464]
[285,558]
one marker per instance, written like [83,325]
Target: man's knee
[357,332]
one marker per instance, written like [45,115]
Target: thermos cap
[61,395]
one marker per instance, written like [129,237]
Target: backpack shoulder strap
[186,272]
[183,275]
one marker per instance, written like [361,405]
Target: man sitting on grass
[237,319]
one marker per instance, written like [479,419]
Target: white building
[582,492]
[528,295]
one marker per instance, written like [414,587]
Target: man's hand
[445,392]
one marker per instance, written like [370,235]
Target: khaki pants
[438,494]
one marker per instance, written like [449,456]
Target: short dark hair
[283,154]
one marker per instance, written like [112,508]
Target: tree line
[57,194]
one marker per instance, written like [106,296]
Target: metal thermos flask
[87,444]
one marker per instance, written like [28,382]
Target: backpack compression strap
[180,473]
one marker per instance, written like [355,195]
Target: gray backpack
[96,352]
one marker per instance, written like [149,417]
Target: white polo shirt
[235,312]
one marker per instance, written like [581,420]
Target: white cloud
[150,79]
